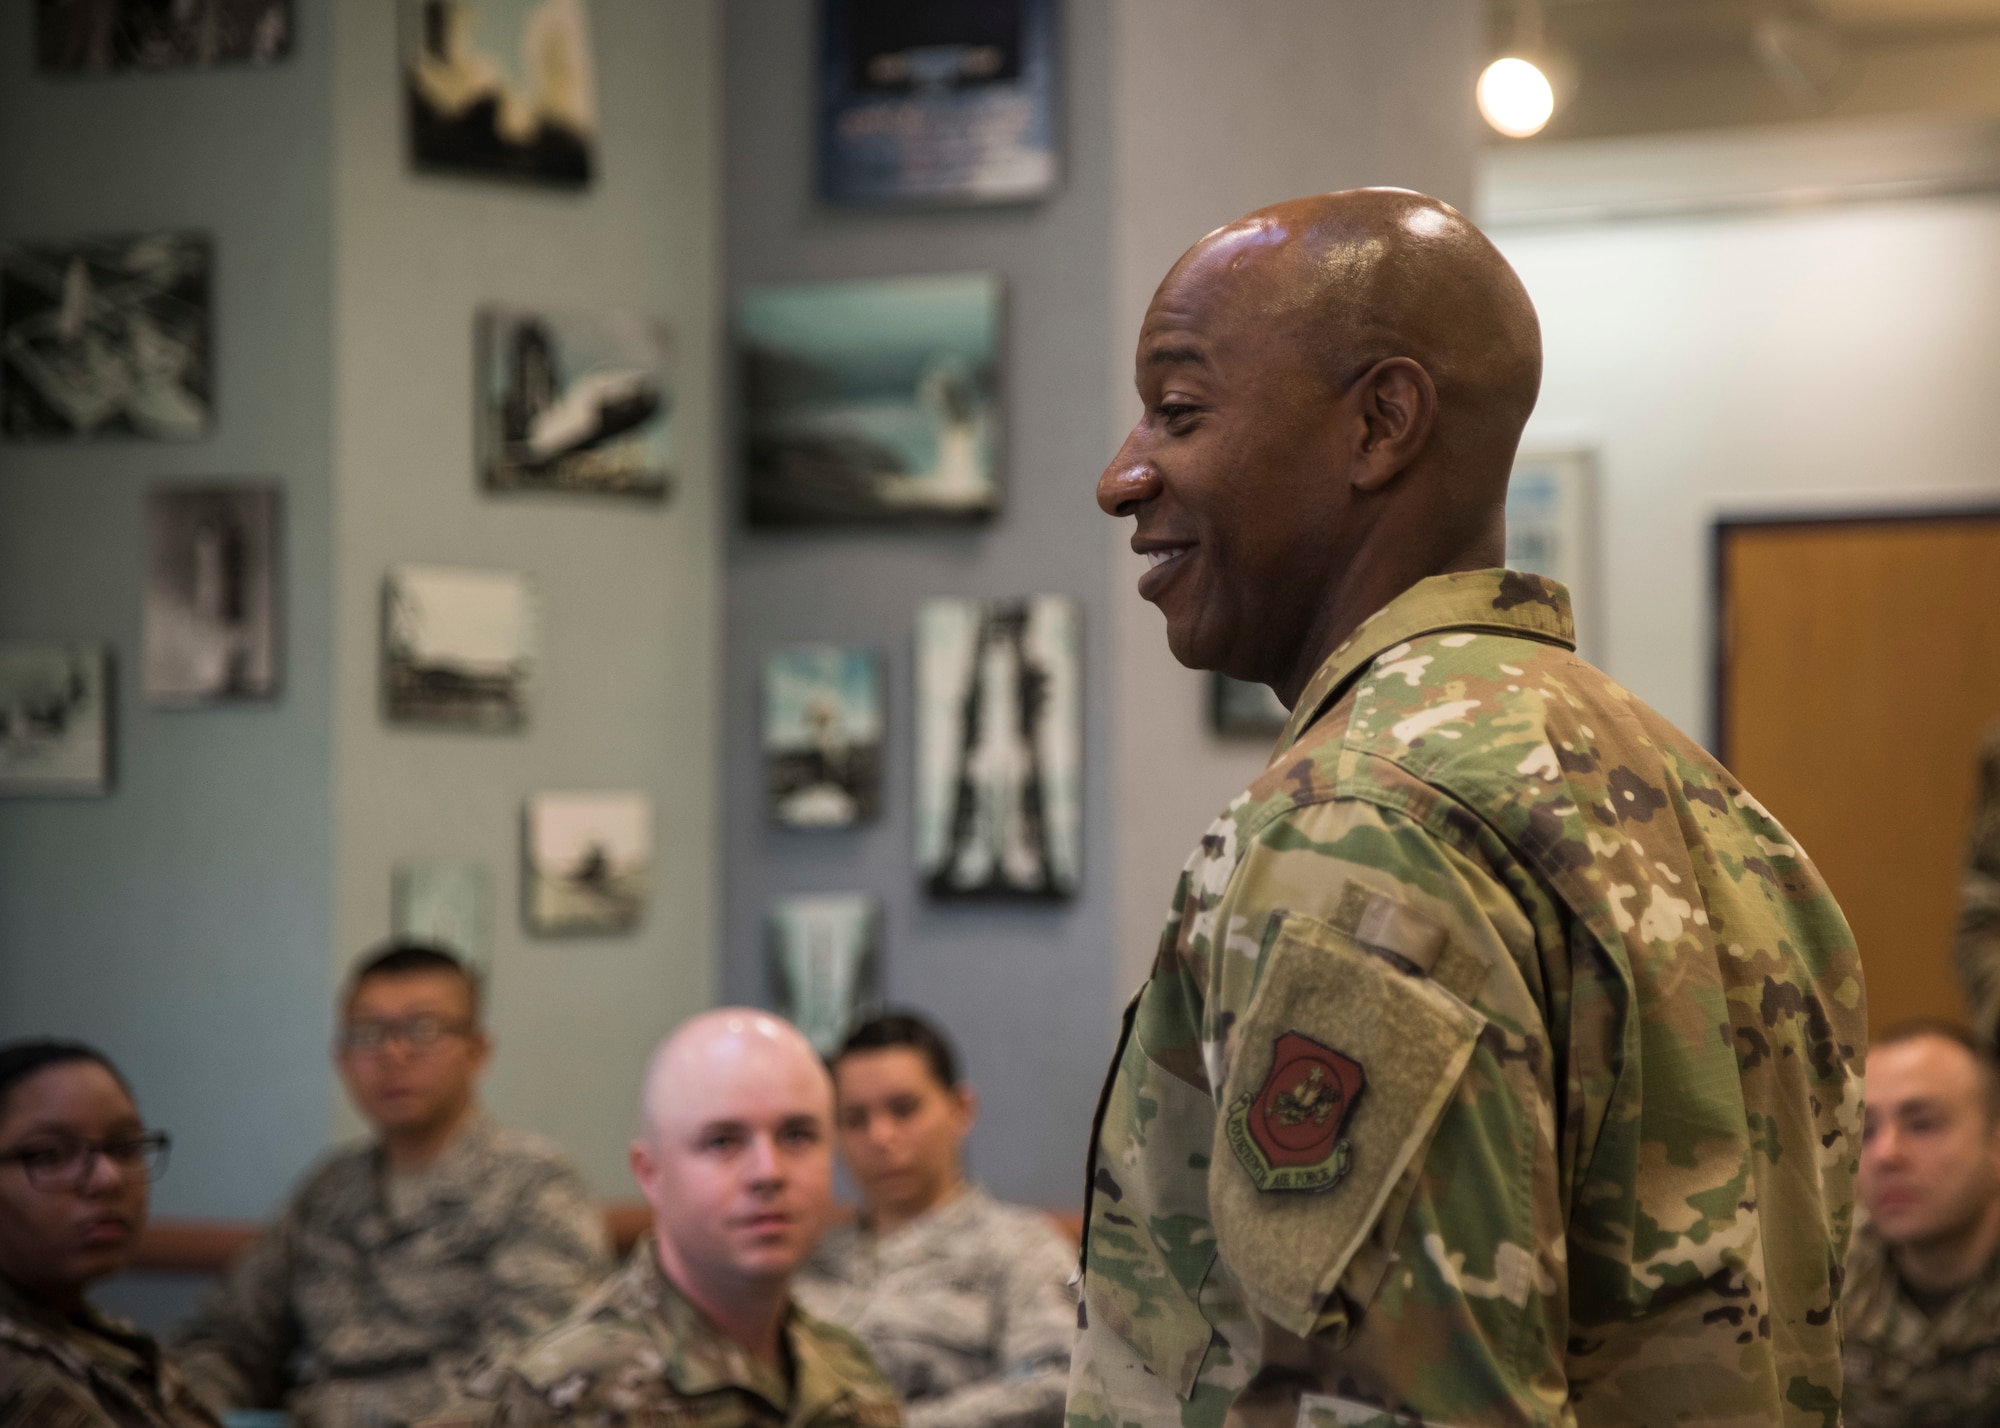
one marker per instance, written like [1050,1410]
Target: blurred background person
[75,1163]
[1977,951]
[1921,1308]
[735,1157]
[400,1260]
[961,1299]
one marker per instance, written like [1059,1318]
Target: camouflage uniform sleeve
[1977,950]
[1378,1066]
[235,1352]
[556,1252]
[1037,1322]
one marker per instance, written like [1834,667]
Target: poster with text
[937,101]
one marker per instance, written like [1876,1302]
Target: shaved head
[1367,274]
[1334,388]
[735,1155]
[721,1048]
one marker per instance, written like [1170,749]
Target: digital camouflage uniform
[1499,1064]
[1909,1369]
[966,1310]
[1978,947]
[637,1354]
[92,1371]
[374,1291]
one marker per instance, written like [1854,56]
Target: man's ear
[1397,401]
[644,1172]
[968,1105]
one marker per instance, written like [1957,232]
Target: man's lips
[1163,561]
[104,1230]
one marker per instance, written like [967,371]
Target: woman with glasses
[75,1164]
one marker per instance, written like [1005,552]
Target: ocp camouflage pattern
[1909,1369]
[1611,1023]
[636,1352]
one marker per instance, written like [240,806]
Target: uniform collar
[1504,601]
[699,1358]
[58,1335]
[461,1168]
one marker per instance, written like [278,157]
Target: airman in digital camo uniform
[1499,1063]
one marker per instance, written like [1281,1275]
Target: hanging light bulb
[1515,97]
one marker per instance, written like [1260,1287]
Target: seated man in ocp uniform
[735,1156]
[400,1261]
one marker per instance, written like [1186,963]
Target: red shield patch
[1297,1117]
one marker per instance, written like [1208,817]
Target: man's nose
[1129,480]
[764,1163]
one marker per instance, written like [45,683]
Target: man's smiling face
[1235,471]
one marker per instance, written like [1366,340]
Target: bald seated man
[735,1155]
[1498,1065]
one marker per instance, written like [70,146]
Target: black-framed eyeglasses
[419,1033]
[66,1162]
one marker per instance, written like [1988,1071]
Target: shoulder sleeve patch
[1344,1066]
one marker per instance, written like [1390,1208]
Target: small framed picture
[1000,747]
[501,89]
[937,102]
[825,963]
[589,862]
[99,36]
[447,901]
[54,719]
[823,736]
[211,616]
[106,337]
[874,402]
[1552,527]
[1238,709]
[458,647]
[574,402]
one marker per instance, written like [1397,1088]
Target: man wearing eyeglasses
[400,1261]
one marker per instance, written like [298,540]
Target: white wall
[1772,359]
[1217,110]
[630,593]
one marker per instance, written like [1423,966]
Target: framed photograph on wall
[447,901]
[458,647]
[937,101]
[104,35]
[106,337]
[501,89]
[823,736]
[54,719]
[873,402]
[211,615]
[1238,709]
[574,402]
[824,958]
[589,862]
[1000,747]
[1552,527]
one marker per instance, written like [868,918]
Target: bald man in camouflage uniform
[1499,1063]
[735,1157]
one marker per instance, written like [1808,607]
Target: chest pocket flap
[1150,1242]
[1343,1065]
